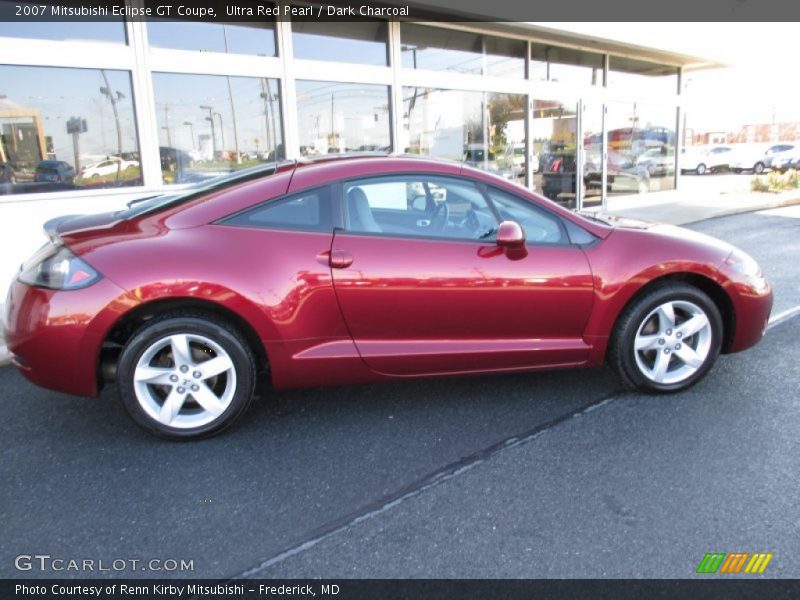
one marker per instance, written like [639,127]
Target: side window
[540,227]
[418,206]
[309,210]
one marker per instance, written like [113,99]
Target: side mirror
[510,235]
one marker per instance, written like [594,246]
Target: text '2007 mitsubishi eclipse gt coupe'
[360,269]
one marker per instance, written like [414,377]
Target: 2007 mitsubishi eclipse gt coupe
[356,269]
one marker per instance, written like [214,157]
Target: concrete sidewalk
[681,207]
[673,207]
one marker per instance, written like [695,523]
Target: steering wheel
[440,217]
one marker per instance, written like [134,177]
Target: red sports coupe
[359,269]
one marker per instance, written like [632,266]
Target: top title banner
[419,10]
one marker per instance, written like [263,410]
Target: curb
[748,209]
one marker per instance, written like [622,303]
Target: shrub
[776,181]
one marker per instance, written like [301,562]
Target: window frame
[328,218]
[480,186]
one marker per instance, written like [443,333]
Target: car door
[440,296]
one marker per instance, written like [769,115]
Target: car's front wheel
[186,376]
[701,169]
[667,339]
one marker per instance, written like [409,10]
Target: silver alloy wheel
[184,380]
[672,342]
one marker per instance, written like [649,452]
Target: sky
[760,81]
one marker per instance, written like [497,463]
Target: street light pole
[109,93]
[210,119]
[221,130]
[191,132]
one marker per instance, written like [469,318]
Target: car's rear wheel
[186,376]
[666,340]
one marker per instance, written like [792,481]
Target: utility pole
[109,93]
[210,119]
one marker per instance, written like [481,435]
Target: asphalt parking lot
[558,474]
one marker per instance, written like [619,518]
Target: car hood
[666,233]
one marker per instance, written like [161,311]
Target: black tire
[701,169]
[198,324]
[621,355]
[758,168]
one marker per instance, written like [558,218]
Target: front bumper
[752,304]
[55,337]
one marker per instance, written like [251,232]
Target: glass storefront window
[641,148]
[211,124]
[63,129]
[634,77]
[354,41]
[554,129]
[565,65]
[593,164]
[253,39]
[484,130]
[439,49]
[37,28]
[342,117]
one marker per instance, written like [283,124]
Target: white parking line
[783,316]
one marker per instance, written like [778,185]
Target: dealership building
[94,114]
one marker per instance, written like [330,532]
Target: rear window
[306,211]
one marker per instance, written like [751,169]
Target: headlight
[747,266]
[56,268]
[744,263]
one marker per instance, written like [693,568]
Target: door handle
[340,259]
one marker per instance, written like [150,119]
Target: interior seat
[359,213]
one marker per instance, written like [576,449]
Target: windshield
[152,203]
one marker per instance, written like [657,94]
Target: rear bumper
[55,337]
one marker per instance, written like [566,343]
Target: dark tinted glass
[307,211]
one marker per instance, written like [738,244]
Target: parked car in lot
[624,175]
[353,282]
[658,161]
[54,171]
[780,156]
[7,174]
[518,160]
[749,159]
[714,159]
[110,166]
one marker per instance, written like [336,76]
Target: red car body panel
[426,306]
[404,307]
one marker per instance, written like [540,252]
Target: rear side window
[309,210]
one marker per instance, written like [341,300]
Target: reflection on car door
[446,300]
